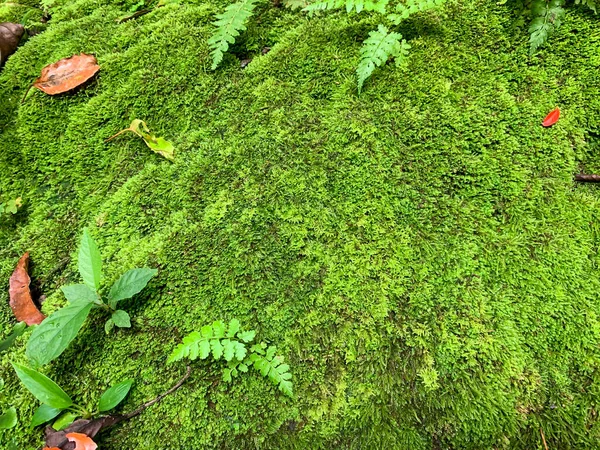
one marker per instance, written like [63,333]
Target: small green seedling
[227,342]
[11,206]
[56,404]
[53,335]
[156,144]
[17,331]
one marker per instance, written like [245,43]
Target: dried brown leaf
[10,35]
[20,295]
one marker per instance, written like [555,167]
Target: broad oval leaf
[90,261]
[67,74]
[43,414]
[42,387]
[79,292]
[8,419]
[130,283]
[53,335]
[121,319]
[114,395]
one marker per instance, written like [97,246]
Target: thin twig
[589,178]
[160,397]
[26,92]
[134,15]
[543,439]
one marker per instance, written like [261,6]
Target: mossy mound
[419,253]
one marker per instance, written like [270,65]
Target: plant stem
[160,397]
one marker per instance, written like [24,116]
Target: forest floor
[419,253]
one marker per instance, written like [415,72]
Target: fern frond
[271,366]
[221,341]
[350,5]
[592,4]
[410,7]
[229,24]
[295,4]
[377,49]
[547,16]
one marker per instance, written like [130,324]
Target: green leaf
[17,331]
[229,24]
[108,326]
[286,387]
[50,338]
[79,292]
[234,327]
[42,387]
[217,348]
[206,331]
[43,414]
[204,349]
[227,375]
[8,419]
[64,421]
[240,351]
[90,261]
[121,319]
[247,336]
[228,349]
[114,395]
[218,329]
[130,283]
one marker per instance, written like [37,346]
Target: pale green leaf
[64,421]
[43,414]
[79,292]
[8,419]
[130,283]
[90,261]
[121,319]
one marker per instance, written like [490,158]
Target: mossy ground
[419,253]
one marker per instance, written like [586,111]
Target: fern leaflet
[547,16]
[229,24]
[410,7]
[377,49]
[272,366]
[592,4]
[350,5]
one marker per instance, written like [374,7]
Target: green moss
[419,253]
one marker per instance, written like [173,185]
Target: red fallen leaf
[67,74]
[51,448]
[82,441]
[551,118]
[20,296]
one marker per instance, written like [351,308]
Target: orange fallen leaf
[51,448]
[67,74]
[20,295]
[551,118]
[82,441]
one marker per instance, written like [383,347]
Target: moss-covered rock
[419,253]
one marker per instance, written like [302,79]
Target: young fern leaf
[229,24]
[547,16]
[272,367]
[377,49]
[592,4]
[350,5]
[410,7]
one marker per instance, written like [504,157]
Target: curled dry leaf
[88,428]
[10,35]
[20,295]
[157,144]
[82,441]
[551,118]
[67,74]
